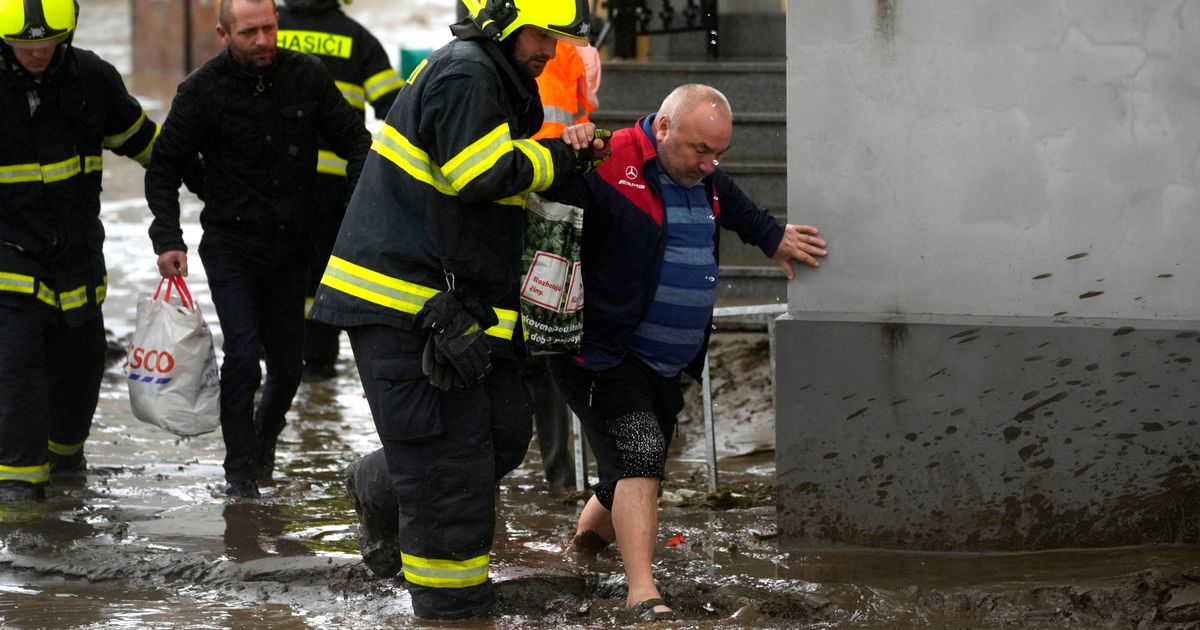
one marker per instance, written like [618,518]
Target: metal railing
[710,431]
[631,18]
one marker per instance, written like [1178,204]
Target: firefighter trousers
[49,385]
[445,452]
[321,343]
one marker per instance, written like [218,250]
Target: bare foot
[588,542]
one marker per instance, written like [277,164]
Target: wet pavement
[147,540]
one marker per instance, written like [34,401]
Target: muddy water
[146,540]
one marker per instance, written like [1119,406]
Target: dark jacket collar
[525,86]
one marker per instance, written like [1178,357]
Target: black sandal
[644,610]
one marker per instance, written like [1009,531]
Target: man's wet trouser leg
[282,337]
[445,452]
[24,417]
[258,307]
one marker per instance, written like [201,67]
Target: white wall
[953,150]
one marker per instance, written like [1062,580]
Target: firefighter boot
[16,493]
[68,465]
[369,491]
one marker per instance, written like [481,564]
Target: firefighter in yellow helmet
[60,107]
[424,276]
[364,74]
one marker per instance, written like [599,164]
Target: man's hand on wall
[800,243]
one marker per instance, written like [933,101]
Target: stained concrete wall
[997,354]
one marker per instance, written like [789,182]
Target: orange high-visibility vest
[564,91]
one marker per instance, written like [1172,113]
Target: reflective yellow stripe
[20,173]
[481,155]
[102,291]
[308,302]
[543,164]
[397,294]
[390,144]
[16,283]
[73,299]
[116,140]
[143,158]
[316,43]
[93,163]
[60,171]
[31,474]
[50,173]
[515,200]
[445,573]
[412,76]
[354,94]
[381,83]
[66,450]
[47,295]
[373,286]
[329,163]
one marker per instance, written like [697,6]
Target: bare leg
[595,530]
[635,519]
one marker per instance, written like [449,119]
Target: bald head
[225,15]
[695,98]
[692,131]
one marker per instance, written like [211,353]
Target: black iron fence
[630,18]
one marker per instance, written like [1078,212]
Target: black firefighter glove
[457,353]
[588,160]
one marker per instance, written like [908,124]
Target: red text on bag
[150,361]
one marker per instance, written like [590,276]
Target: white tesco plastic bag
[171,365]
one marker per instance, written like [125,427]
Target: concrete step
[735,253]
[739,286]
[757,136]
[751,86]
[739,37]
[765,182]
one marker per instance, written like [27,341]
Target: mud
[145,538]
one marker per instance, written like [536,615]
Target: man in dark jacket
[361,69]
[256,115]
[424,276]
[649,256]
[60,107]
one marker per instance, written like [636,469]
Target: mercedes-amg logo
[631,172]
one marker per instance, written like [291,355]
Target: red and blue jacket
[624,238]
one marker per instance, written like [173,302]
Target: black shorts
[628,414]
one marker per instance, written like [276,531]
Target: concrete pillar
[999,352]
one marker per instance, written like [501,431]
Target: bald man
[650,243]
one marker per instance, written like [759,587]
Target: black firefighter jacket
[355,58]
[442,193]
[51,162]
[258,137]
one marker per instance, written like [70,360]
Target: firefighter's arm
[474,147]
[127,130]
[342,127]
[383,83]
